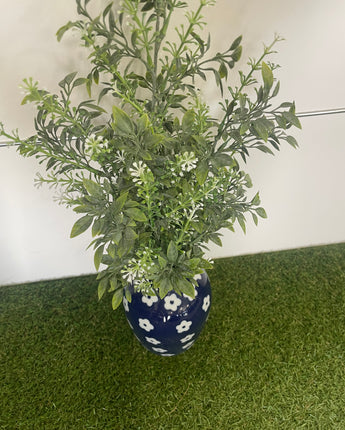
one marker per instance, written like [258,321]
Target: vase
[171,325]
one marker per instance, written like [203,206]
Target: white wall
[302,191]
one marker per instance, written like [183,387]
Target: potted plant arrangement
[150,170]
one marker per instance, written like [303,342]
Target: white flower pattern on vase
[187,338]
[145,324]
[159,350]
[206,303]
[149,300]
[188,345]
[184,326]
[125,304]
[152,340]
[172,302]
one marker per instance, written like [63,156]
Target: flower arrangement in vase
[150,170]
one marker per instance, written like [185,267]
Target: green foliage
[157,176]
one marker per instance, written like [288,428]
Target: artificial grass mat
[270,357]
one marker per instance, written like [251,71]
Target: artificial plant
[142,159]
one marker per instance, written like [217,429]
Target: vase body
[169,326]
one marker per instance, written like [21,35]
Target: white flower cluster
[141,173]
[95,145]
[186,162]
[120,157]
[138,269]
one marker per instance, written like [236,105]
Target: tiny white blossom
[128,276]
[188,161]
[94,145]
[120,157]
[137,170]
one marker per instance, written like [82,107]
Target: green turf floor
[272,355]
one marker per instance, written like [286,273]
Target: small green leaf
[102,287]
[267,75]
[214,237]
[96,76]
[292,141]
[172,252]
[61,31]
[188,121]
[165,286]
[242,222]
[117,236]
[261,212]
[263,127]
[92,187]
[122,123]
[97,227]
[111,250]
[136,214]
[236,55]
[276,90]
[130,235]
[128,295]
[135,34]
[98,256]
[120,202]
[223,71]
[186,287]
[162,262]
[81,225]
[221,159]
[256,200]
[236,43]
[117,298]
[292,118]
[67,79]
[201,172]
[79,81]
[113,283]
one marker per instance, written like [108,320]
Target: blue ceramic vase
[170,325]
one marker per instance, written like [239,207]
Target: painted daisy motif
[198,277]
[159,350]
[168,355]
[149,300]
[206,303]
[125,304]
[184,326]
[172,302]
[188,345]
[152,340]
[145,324]
[187,338]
